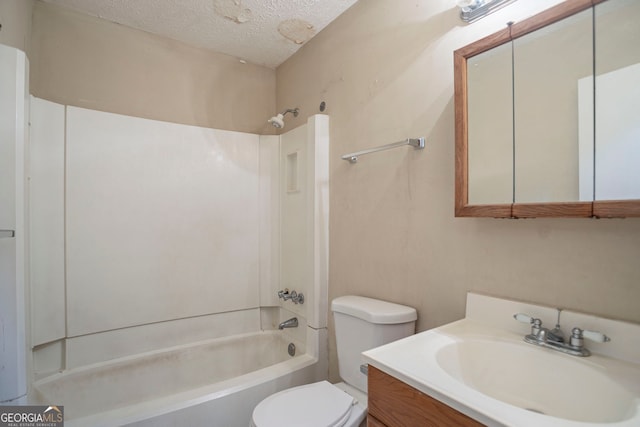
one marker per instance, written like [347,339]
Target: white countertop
[414,360]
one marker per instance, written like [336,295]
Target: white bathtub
[212,383]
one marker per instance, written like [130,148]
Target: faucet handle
[285,294]
[577,334]
[536,324]
[525,318]
[595,336]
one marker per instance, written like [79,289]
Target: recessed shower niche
[292,172]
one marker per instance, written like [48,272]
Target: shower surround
[148,236]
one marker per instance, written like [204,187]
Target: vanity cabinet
[393,403]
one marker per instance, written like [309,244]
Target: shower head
[277,121]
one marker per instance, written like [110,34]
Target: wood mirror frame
[596,208]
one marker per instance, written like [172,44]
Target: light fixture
[472,10]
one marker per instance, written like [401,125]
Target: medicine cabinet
[536,136]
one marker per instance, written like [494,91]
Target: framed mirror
[536,136]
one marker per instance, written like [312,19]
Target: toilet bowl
[361,324]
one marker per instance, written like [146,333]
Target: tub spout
[291,323]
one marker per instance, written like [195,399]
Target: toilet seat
[312,405]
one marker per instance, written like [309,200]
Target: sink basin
[480,366]
[538,380]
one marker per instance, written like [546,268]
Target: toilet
[361,324]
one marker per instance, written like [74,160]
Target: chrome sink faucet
[554,339]
[540,334]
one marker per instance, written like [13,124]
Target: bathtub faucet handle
[283,294]
[286,295]
[297,298]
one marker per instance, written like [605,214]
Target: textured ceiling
[264,32]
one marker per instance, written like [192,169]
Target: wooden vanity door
[393,403]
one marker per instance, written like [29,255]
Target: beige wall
[87,62]
[15,18]
[385,69]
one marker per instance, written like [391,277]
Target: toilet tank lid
[374,310]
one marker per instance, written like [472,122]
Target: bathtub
[213,383]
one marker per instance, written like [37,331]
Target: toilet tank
[364,323]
